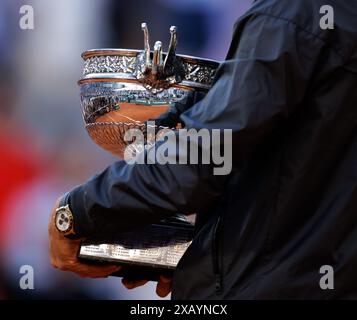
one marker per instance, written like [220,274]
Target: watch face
[63,220]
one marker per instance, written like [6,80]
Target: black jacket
[288,90]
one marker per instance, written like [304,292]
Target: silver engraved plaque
[157,246]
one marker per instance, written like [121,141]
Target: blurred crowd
[44,149]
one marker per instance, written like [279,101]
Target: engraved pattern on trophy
[110,64]
[199,73]
[194,72]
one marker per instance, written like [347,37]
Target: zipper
[216,248]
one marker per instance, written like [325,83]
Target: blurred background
[44,149]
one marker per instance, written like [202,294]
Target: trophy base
[144,254]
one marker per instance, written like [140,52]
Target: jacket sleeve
[264,79]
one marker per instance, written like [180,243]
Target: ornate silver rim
[199,73]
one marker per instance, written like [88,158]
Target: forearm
[124,197]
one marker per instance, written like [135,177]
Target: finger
[163,288]
[131,284]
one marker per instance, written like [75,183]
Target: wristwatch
[64,221]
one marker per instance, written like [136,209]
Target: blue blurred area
[44,147]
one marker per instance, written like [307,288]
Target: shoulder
[304,13]
[308,16]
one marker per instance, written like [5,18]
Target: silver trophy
[122,89]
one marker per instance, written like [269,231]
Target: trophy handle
[157,58]
[144,27]
[171,52]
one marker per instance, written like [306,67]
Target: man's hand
[163,287]
[63,254]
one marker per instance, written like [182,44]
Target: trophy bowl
[122,89]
